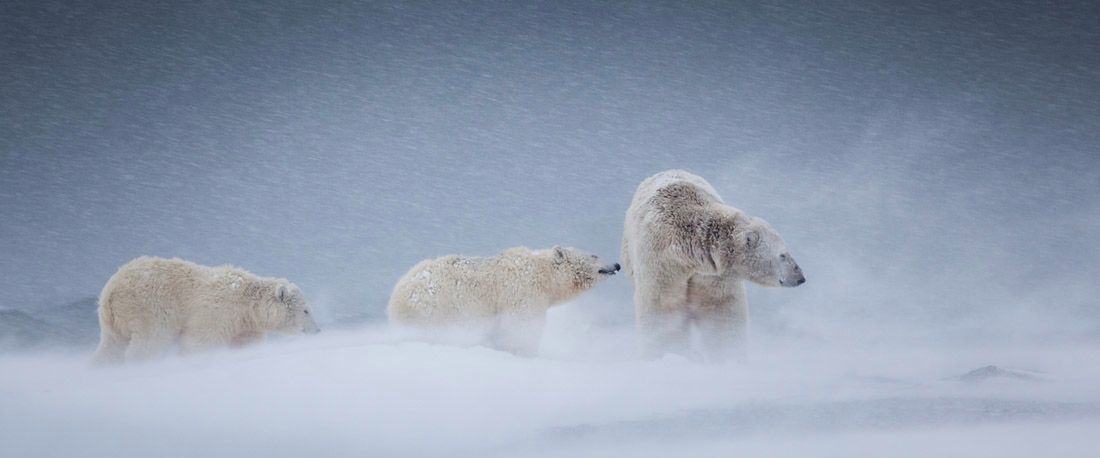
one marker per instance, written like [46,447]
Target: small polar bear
[501,300]
[152,304]
[688,254]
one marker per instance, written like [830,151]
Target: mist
[934,167]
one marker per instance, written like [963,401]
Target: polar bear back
[454,289]
[666,211]
[649,187]
[169,292]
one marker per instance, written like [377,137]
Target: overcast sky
[923,160]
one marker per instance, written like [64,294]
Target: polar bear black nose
[617,267]
[801,280]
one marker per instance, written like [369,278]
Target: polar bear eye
[307,312]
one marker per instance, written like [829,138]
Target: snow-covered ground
[932,165]
[361,392]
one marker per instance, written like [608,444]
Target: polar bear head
[573,272]
[288,311]
[750,247]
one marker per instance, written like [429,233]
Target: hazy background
[934,167]
[931,164]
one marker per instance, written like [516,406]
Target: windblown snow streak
[934,163]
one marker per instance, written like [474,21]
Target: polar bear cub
[152,304]
[501,300]
[688,255]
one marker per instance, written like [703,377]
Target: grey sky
[927,156]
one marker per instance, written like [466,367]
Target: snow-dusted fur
[502,300]
[152,304]
[688,255]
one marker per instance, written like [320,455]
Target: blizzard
[362,391]
[932,165]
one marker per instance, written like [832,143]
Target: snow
[362,391]
[933,169]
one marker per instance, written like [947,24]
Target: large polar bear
[151,304]
[688,254]
[501,300]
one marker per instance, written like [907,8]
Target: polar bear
[688,254]
[152,304]
[501,300]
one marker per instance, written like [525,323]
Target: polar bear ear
[752,238]
[559,253]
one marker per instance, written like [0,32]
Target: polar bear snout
[610,269]
[793,277]
[308,325]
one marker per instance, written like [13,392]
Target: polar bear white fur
[688,254]
[152,304]
[502,300]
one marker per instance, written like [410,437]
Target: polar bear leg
[668,332]
[147,344]
[663,322]
[720,313]
[246,338]
[194,342]
[111,350]
[722,336]
[520,333]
